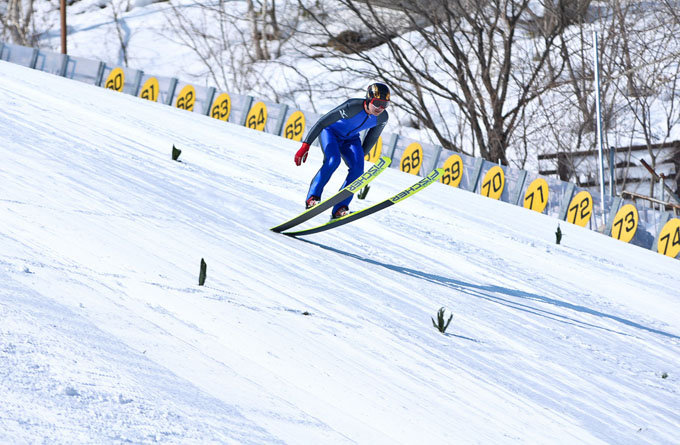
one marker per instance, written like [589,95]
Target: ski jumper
[338,130]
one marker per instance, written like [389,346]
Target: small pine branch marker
[363,192]
[202,274]
[440,324]
[558,235]
[175,153]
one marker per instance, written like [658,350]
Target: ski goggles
[379,103]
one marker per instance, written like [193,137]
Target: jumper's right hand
[301,155]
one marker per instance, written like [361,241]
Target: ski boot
[311,202]
[342,211]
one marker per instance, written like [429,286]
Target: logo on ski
[343,194]
[415,188]
[427,180]
[368,175]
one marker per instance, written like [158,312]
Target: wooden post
[63,26]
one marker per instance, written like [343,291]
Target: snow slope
[106,337]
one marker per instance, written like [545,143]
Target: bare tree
[638,52]
[264,27]
[233,40]
[568,107]
[17,21]
[671,18]
[476,57]
[122,30]
[257,32]
[649,73]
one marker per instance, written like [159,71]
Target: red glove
[301,155]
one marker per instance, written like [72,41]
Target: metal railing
[562,200]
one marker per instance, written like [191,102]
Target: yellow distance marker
[375,152]
[580,209]
[453,171]
[186,98]
[150,90]
[669,238]
[257,117]
[625,223]
[493,183]
[412,159]
[295,126]
[116,80]
[536,196]
[221,107]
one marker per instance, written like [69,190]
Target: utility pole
[598,110]
[63,26]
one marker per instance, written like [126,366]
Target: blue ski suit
[338,131]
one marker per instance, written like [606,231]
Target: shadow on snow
[487,293]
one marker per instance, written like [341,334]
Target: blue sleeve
[344,111]
[373,134]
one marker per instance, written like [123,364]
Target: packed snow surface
[105,335]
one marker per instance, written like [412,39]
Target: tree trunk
[255,31]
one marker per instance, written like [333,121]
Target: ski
[345,193]
[415,188]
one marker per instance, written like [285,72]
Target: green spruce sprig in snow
[440,324]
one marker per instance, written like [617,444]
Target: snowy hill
[106,336]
